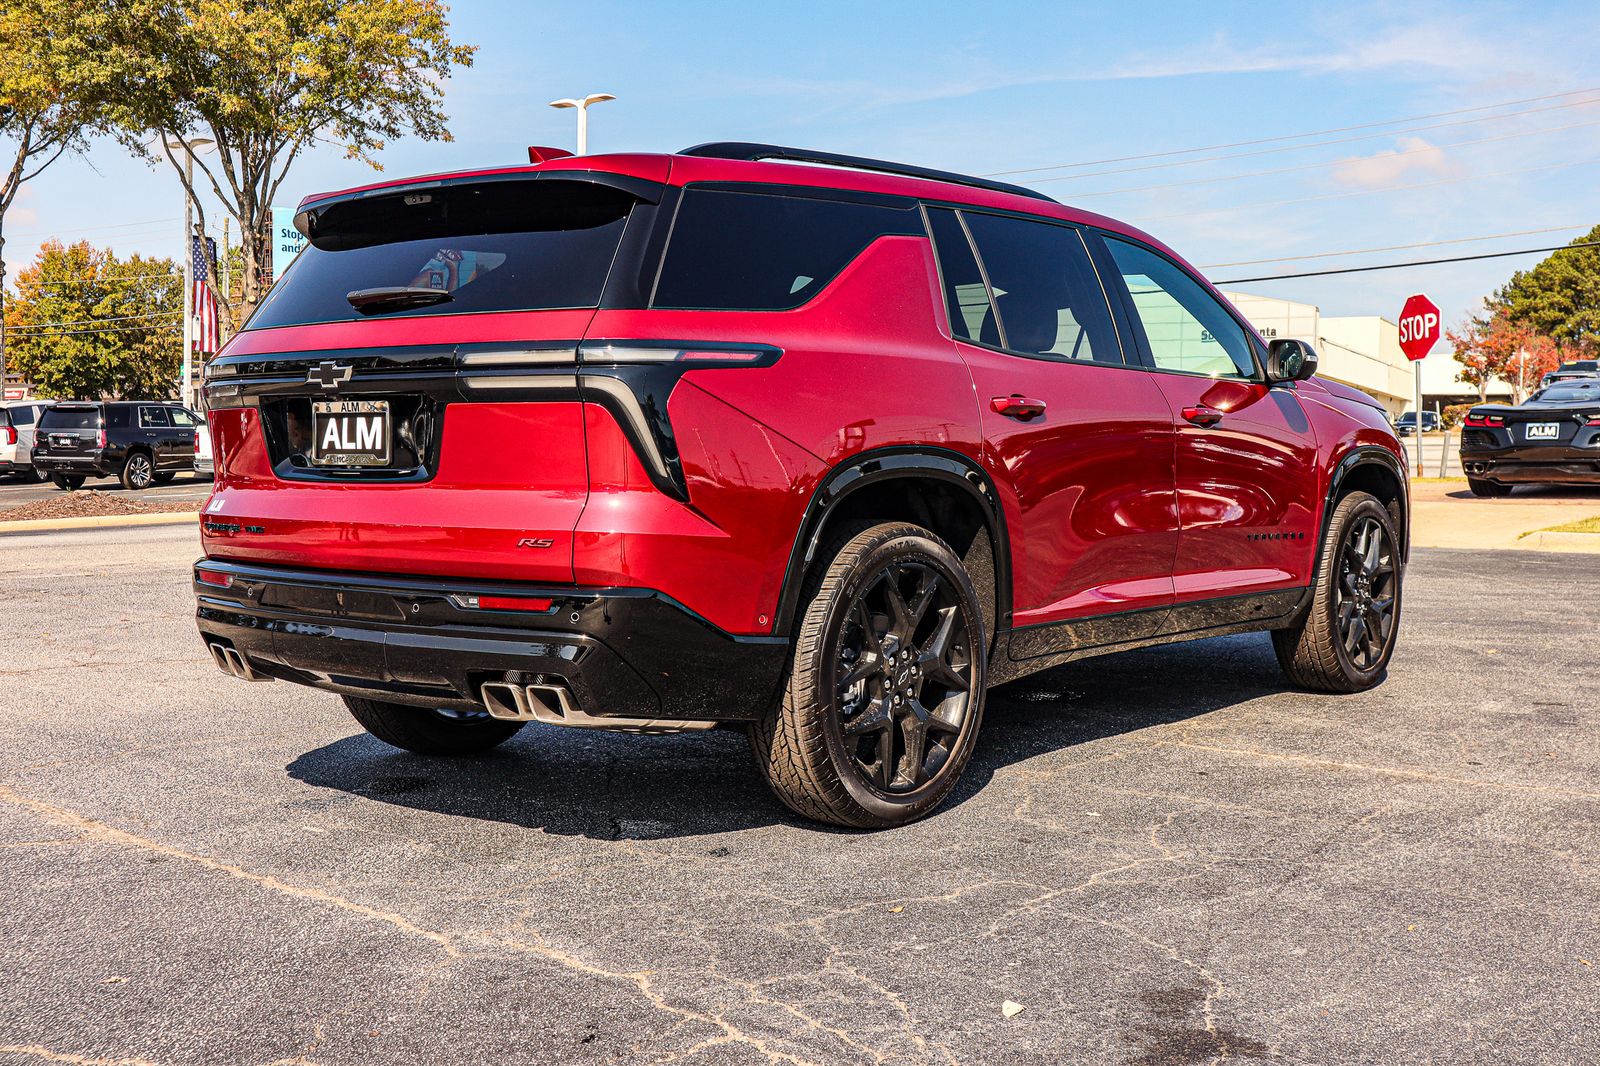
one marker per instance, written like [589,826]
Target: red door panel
[1086,485]
[1247,487]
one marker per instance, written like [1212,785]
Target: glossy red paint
[1120,492]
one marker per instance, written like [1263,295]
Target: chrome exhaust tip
[232,662]
[555,705]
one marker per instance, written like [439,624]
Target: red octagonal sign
[1419,327]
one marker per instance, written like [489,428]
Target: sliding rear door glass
[749,251]
[494,246]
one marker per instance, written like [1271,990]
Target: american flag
[202,257]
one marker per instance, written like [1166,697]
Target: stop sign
[1419,327]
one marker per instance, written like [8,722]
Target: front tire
[430,732]
[886,686]
[1483,487]
[1345,640]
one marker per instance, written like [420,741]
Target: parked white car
[19,424]
[204,461]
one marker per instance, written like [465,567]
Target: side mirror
[1290,360]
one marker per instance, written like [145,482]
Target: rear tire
[1483,487]
[1345,641]
[430,732]
[67,482]
[138,471]
[885,692]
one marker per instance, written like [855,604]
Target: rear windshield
[494,246]
[1568,392]
[70,418]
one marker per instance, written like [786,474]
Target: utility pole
[187,260]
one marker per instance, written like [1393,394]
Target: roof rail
[751,152]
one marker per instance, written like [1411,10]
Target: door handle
[1201,415]
[1022,408]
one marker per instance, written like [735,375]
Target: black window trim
[1117,328]
[909,204]
[1136,328]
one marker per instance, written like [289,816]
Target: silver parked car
[19,426]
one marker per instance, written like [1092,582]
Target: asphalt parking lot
[1164,856]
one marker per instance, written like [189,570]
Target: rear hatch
[405,400]
[70,431]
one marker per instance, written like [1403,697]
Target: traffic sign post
[1419,332]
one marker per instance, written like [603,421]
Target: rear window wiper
[395,298]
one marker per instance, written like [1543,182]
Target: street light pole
[582,107]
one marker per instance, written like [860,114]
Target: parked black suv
[138,442]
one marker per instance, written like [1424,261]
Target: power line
[1297,136]
[1314,144]
[92,321]
[1375,189]
[1392,247]
[96,229]
[171,274]
[1334,162]
[1413,263]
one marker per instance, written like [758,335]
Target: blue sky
[1005,86]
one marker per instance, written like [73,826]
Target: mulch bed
[91,504]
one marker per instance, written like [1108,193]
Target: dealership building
[1362,351]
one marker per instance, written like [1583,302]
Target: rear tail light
[100,438]
[1594,420]
[627,353]
[1481,421]
[214,577]
[8,435]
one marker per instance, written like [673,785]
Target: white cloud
[1412,156]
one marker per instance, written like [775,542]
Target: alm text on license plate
[1543,430]
[350,432]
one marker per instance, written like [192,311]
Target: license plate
[1543,430]
[350,432]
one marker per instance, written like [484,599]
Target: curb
[52,525]
[1562,542]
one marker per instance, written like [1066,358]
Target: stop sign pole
[1419,332]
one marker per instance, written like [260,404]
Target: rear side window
[71,418]
[1046,293]
[24,416]
[493,246]
[746,251]
[153,416]
[965,295]
[181,417]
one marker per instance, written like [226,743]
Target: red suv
[666,442]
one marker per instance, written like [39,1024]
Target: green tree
[51,95]
[267,79]
[87,324]
[1560,297]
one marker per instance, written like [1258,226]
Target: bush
[1451,416]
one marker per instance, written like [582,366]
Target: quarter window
[744,251]
[965,295]
[1185,327]
[1047,299]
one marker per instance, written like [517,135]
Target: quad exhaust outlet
[233,663]
[554,705]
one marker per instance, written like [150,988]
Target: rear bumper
[624,653]
[204,466]
[1533,465]
[87,465]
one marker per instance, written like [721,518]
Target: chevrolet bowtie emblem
[329,375]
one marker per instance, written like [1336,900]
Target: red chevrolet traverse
[666,442]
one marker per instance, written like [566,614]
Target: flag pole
[188,282]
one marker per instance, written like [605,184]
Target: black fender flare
[1359,456]
[873,467]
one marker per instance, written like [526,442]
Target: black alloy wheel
[1366,592]
[902,677]
[884,698]
[1346,637]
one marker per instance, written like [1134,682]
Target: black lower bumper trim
[629,653]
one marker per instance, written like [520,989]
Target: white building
[1363,351]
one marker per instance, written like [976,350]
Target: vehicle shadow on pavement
[1536,494]
[609,786]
